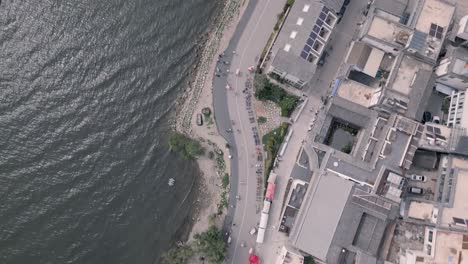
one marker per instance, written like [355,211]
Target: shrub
[261,120]
[211,244]
[187,147]
[225,180]
[178,255]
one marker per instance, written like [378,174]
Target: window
[293,34]
[287,47]
[299,21]
[431,233]
[306,8]
[436,31]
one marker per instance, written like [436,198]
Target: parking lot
[428,185]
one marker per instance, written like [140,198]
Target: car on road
[415,177]
[229,130]
[415,190]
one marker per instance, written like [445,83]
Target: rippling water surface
[86,88]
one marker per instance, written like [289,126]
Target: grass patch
[266,90]
[188,148]
[272,141]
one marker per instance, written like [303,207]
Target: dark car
[415,190]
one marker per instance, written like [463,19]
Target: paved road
[231,111]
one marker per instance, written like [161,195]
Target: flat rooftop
[314,231]
[435,12]
[450,248]
[407,73]
[460,197]
[356,92]
[388,30]
[420,210]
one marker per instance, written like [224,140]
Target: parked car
[415,177]
[415,190]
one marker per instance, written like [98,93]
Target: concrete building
[289,255]
[462,31]
[453,69]
[303,39]
[420,30]
[440,246]
[458,112]
[351,226]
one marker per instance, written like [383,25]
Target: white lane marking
[243,134]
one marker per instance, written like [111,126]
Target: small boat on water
[171,182]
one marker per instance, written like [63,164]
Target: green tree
[287,104]
[211,244]
[178,255]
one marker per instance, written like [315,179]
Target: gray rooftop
[314,231]
[462,146]
[351,112]
[291,63]
[394,7]
[418,41]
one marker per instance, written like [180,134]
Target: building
[289,255]
[440,246]
[303,39]
[351,226]
[458,113]
[462,31]
[394,27]
[453,69]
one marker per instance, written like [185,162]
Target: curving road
[232,112]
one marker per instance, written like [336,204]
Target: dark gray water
[86,90]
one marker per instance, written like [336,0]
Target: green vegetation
[347,148]
[187,147]
[272,142]
[446,105]
[211,244]
[225,181]
[261,120]
[266,90]
[178,255]
[309,260]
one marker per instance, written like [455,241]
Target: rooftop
[435,12]
[450,247]
[389,31]
[314,232]
[407,73]
[356,92]
[460,196]
[420,210]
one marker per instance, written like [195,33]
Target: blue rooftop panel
[325,9]
[316,29]
[307,48]
[322,16]
[313,35]
[304,55]
[319,22]
[310,42]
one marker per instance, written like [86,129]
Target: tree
[178,255]
[262,120]
[211,244]
[287,104]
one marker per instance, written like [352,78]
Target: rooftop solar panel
[322,16]
[316,29]
[310,42]
[319,22]
[307,48]
[304,55]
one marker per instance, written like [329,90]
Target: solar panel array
[436,31]
[314,34]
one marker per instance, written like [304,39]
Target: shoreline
[196,96]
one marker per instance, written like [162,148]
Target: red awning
[253,259]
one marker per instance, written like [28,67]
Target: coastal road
[252,32]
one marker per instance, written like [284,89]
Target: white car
[415,177]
